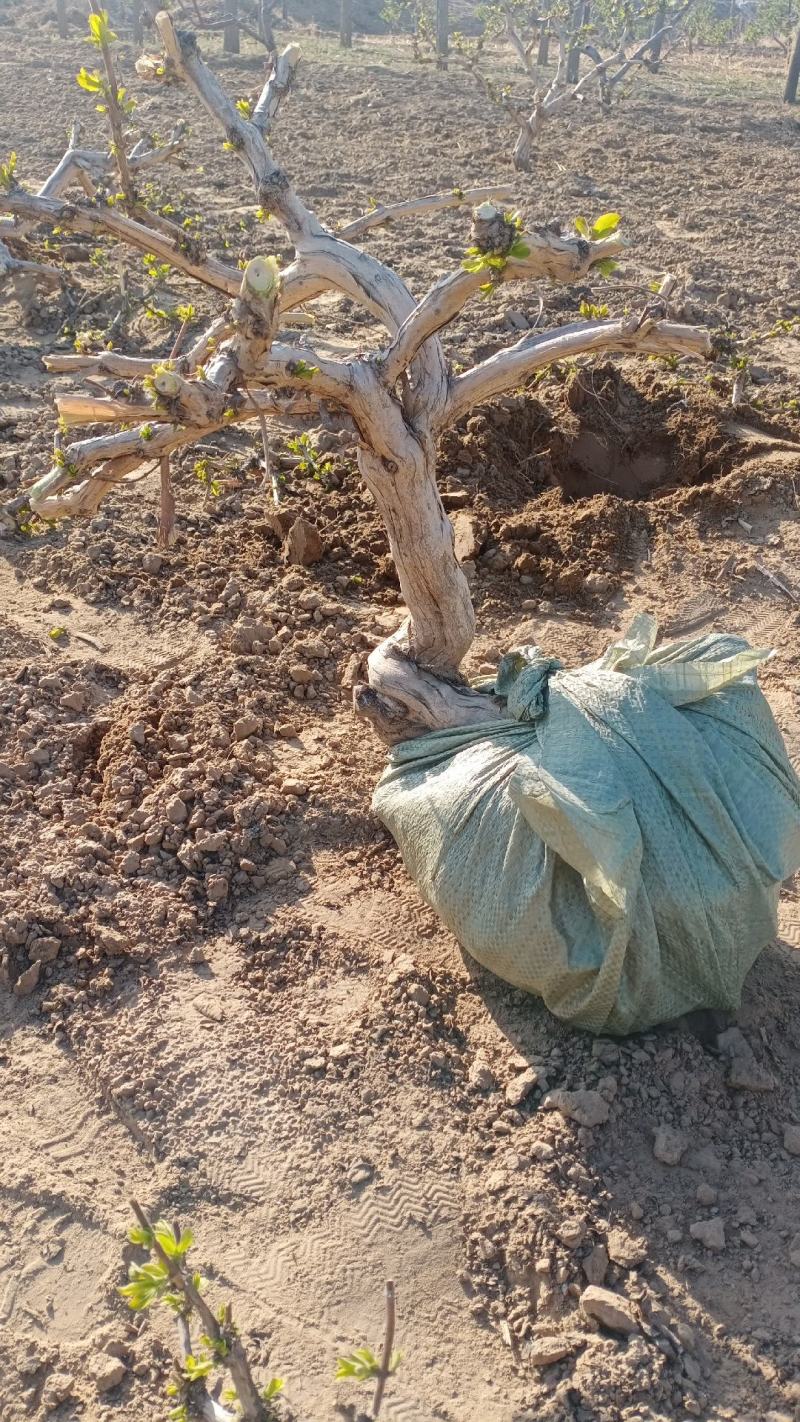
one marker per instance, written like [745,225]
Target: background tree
[631,35]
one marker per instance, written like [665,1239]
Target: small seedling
[202,473]
[165,1279]
[603,227]
[159,271]
[309,460]
[362,1365]
[593,312]
[8,173]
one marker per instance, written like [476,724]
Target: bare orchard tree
[631,35]
[396,399]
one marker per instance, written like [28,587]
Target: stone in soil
[791,1139]
[468,539]
[58,1387]
[669,1145]
[625,1251]
[521,1087]
[303,544]
[609,1309]
[480,1075]
[587,1108]
[27,981]
[709,1233]
[176,810]
[745,1073]
[108,1373]
[547,1350]
[595,1265]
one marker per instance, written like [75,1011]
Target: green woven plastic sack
[618,843]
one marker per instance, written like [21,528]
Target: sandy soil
[247,1018]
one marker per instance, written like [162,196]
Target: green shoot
[8,173]
[592,312]
[100,31]
[309,460]
[303,369]
[362,1365]
[202,473]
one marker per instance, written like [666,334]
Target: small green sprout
[302,369]
[245,108]
[159,271]
[603,227]
[362,1365]
[493,261]
[8,173]
[592,312]
[57,633]
[309,459]
[100,31]
[194,1368]
[202,473]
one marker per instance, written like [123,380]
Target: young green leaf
[303,369]
[90,81]
[582,227]
[606,224]
[362,1365]
[194,1368]
[100,31]
[138,1235]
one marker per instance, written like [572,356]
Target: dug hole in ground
[300,1061]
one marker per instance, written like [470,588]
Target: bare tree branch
[381,215]
[560,259]
[510,367]
[80,217]
[35,272]
[277,86]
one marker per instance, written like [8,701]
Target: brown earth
[245,1016]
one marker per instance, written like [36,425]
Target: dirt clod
[609,1309]
[709,1233]
[587,1108]
[669,1145]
